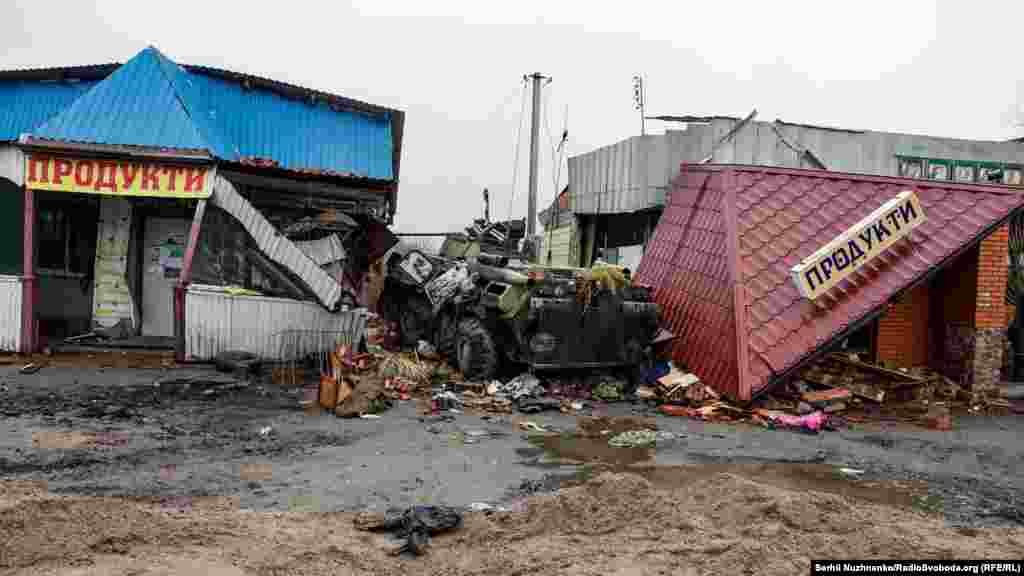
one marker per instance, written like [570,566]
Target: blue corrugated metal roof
[299,135]
[153,102]
[25,105]
[137,105]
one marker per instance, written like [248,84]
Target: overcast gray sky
[456,67]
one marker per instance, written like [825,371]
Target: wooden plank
[876,369]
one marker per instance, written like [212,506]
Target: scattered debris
[30,368]
[183,385]
[399,388]
[532,427]
[850,472]
[237,361]
[811,423]
[646,393]
[415,525]
[523,386]
[496,404]
[825,396]
[634,439]
[939,418]
[328,392]
[446,400]
[265,431]
[674,385]
[842,382]
[674,410]
[701,393]
[568,406]
[367,397]
[609,390]
[534,405]
[427,350]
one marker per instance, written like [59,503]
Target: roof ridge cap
[162,61]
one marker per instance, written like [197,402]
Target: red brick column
[903,331]
[990,311]
[894,333]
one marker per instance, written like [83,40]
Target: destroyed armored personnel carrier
[482,312]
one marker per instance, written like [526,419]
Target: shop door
[165,240]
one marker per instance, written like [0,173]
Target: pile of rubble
[844,385]
[680,393]
[368,383]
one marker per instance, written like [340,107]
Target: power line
[515,162]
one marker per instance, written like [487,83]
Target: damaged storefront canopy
[757,269]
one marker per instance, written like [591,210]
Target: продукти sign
[863,242]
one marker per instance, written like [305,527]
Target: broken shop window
[67,235]
[911,167]
[964,173]
[938,170]
[227,256]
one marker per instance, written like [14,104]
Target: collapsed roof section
[276,246]
[721,257]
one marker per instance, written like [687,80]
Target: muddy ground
[110,432]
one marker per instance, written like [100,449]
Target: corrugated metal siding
[137,105]
[25,105]
[273,328]
[782,216]
[12,164]
[10,313]
[324,251]
[274,244]
[562,243]
[636,173]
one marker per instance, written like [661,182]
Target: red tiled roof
[730,234]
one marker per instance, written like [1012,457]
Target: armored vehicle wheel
[477,354]
[636,367]
[447,335]
[413,319]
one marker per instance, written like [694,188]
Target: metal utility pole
[487,206]
[639,98]
[531,206]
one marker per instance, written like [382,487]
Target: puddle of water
[569,449]
[593,455]
[801,477]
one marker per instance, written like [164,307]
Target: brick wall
[903,331]
[990,311]
[972,317]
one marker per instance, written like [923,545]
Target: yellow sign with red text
[116,177]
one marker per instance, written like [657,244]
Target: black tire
[235,361]
[447,336]
[413,320]
[477,354]
[637,364]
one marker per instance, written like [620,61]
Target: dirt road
[283,479]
